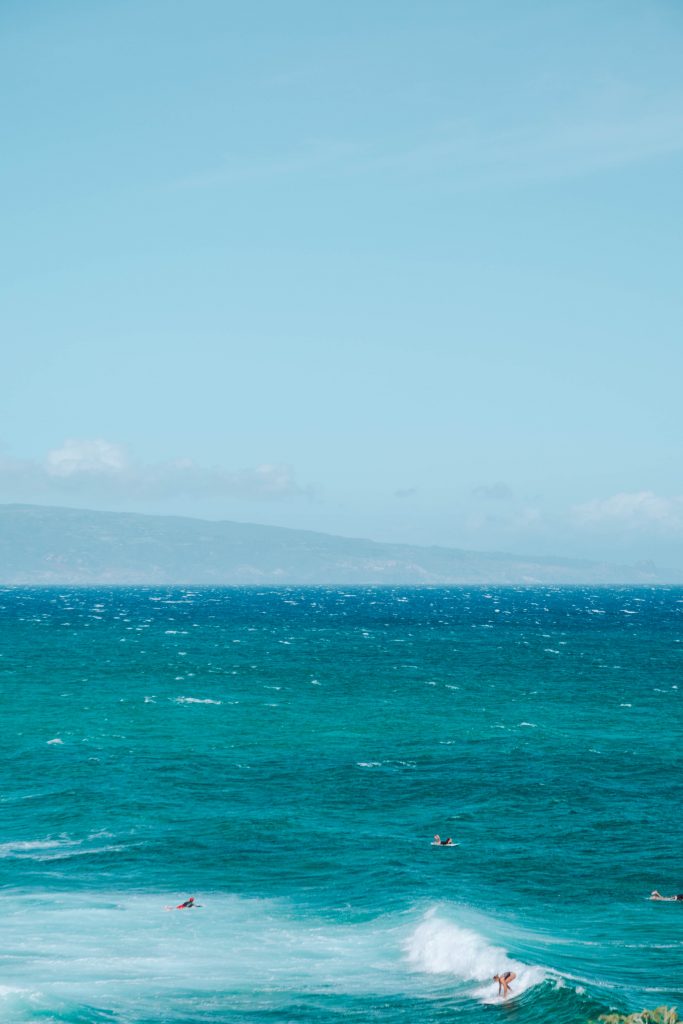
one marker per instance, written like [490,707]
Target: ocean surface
[287,755]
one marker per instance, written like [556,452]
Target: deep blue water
[286,755]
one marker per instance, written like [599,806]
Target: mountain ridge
[54,545]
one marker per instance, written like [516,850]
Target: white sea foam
[62,848]
[64,947]
[194,700]
[77,851]
[134,954]
[56,740]
[438,946]
[27,849]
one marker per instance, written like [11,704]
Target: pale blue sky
[401,270]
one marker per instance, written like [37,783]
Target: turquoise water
[286,755]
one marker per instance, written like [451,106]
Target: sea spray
[438,946]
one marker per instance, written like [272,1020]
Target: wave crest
[438,946]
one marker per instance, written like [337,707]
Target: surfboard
[446,846]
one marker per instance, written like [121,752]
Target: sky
[400,270]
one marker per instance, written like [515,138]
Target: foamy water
[438,946]
[131,950]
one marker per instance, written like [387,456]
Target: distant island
[41,545]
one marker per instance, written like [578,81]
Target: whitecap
[438,946]
[25,848]
[194,700]
[66,854]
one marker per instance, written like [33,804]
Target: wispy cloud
[76,458]
[309,157]
[609,130]
[104,468]
[637,510]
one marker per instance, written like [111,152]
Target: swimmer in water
[438,841]
[504,982]
[678,898]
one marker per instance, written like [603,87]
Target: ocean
[286,755]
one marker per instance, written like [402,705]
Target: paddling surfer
[504,982]
[187,905]
[678,898]
[438,841]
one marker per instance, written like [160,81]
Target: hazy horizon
[667,573]
[401,272]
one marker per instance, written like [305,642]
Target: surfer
[678,898]
[438,841]
[504,982]
[187,905]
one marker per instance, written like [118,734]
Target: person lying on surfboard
[187,905]
[678,898]
[438,841]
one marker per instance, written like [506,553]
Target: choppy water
[286,757]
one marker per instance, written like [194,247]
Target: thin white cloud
[608,130]
[636,510]
[102,469]
[76,457]
[310,157]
